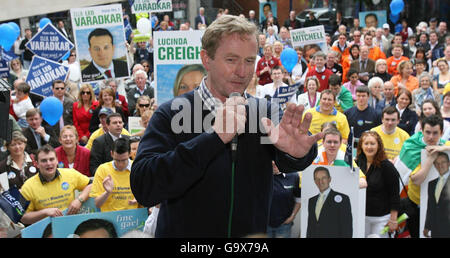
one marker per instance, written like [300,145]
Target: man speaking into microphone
[203,190]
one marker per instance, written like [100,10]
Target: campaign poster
[341,208]
[174,50]
[116,223]
[434,213]
[49,43]
[134,124]
[36,230]
[42,73]
[265,8]
[372,19]
[311,39]
[150,6]
[100,42]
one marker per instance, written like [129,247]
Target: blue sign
[285,93]
[7,55]
[4,69]
[122,222]
[49,43]
[13,204]
[42,73]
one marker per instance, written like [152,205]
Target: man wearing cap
[387,33]
[104,112]
[101,147]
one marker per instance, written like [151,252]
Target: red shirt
[264,78]
[81,162]
[321,76]
[81,120]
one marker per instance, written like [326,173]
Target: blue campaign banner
[49,43]
[285,93]
[42,73]
[7,55]
[122,222]
[36,230]
[13,204]
[4,69]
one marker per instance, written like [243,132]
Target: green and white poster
[100,42]
[173,51]
[311,39]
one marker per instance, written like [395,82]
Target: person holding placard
[438,209]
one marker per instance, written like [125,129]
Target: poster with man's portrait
[435,198]
[372,19]
[100,42]
[331,205]
[265,8]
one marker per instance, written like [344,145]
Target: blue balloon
[289,59]
[8,36]
[397,6]
[15,27]
[44,22]
[394,18]
[52,110]
[398,27]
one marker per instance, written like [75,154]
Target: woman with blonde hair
[188,78]
[70,154]
[16,71]
[277,49]
[106,98]
[81,112]
[404,79]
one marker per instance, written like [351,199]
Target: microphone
[234,141]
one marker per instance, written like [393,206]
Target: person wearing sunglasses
[81,112]
[59,89]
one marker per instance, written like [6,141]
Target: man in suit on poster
[438,209]
[103,66]
[329,212]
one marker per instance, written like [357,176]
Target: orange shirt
[346,62]
[411,84]
[392,64]
[375,53]
[343,54]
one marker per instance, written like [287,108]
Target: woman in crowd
[430,107]
[382,194]
[143,104]
[424,92]
[445,108]
[381,70]
[265,65]
[311,97]
[347,60]
[81,112]
[188,78]
[408,118]
[404,79]
[353,82]
[74,78]
[16,71]
[134,144]
[147,68]
[70,154]
[376,87]
[18,165]
[277,49]
[107,98]
[443,77]
[120,99]
[420,55]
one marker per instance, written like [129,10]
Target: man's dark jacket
[189,173]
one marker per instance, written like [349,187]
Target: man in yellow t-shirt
[392,136]
[104,112]
[429,139]
[111,187]
[326,112]
[52,190]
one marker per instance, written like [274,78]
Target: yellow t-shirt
[58,193]
[337,117]
[121,194]
[99,132]
[392,142]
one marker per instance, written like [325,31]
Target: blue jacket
[189,173]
